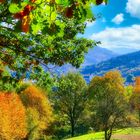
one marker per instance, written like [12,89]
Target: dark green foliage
[70,99]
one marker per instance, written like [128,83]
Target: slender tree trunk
[29,133]
[107,135]
[72,128]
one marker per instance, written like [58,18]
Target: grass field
[122,134]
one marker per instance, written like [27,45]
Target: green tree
[135,104]
[108,102]
[70,98]
[41,32]
[135,98]
[129,90]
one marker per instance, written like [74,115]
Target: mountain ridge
[126,64]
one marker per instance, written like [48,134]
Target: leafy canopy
[34,32]
[70,98]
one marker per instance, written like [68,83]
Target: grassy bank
[100,135]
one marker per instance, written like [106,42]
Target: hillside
[97,55]
[126,64]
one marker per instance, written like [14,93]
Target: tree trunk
[108,135]
[29,133]
[72,128]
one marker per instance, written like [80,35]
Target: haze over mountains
[97,55]
[122,51]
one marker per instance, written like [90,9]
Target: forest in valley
[37,104]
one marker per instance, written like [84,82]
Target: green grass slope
[100,135]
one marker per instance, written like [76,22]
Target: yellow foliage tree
[108,103]
[12,117]
[135,99]
[38,109]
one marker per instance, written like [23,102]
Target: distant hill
[126,64]
[97,55]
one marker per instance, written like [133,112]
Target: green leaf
[65,3]
[13,8]
[18,26]
[53,16]
[36,28]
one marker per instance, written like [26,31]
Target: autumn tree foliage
[38,111]
[137,85]
[135,98]
[108,102]
[135,104]
[12,117]
[129,90]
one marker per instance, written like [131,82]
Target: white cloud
[118,19]
[125,37]
[133,7]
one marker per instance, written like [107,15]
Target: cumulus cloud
[133,7]
[124,37]
[118,19]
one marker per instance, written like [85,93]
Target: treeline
[66,106]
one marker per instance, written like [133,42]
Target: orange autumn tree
[38,110]
[137,85]
[135,99]
[108,103]
[12,117]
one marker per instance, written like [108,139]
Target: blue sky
[118,25]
